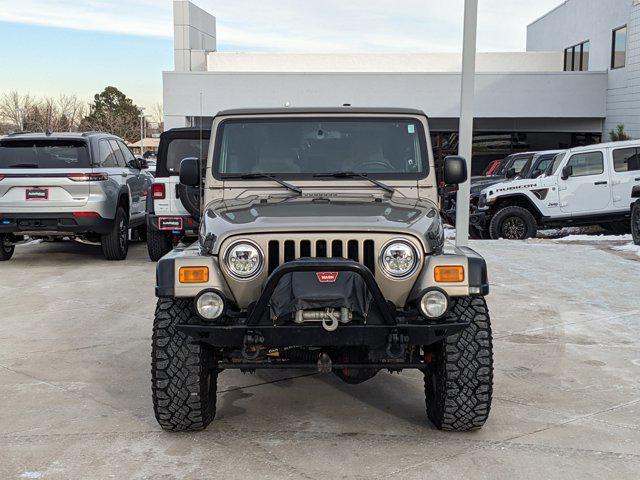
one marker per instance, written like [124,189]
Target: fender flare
[521,196]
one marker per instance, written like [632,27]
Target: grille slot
[283,251]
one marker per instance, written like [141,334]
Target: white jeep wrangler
[584,186]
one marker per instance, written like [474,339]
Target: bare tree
[157,116]
[14,107]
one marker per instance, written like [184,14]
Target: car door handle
[600,183]
[637,179]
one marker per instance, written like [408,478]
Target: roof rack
[14,134]
[91,132]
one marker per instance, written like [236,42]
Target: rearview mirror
[511,173]
[567,172]
[190,172]
[455,170]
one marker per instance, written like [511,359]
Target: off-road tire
[6,251]
[115,244]
[526,224]
[635,222]
[158,244]
[183,376]
[459,378]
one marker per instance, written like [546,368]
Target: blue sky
[81,46]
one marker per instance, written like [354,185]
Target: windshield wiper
[384,186]
[257,176]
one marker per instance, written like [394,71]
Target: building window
[619,48]
[576,58]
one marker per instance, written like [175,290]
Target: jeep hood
[247,216]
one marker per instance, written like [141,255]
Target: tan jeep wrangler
[321,247]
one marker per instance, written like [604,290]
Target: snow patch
[630,248]
[449,233]
[595,238]
[32,475]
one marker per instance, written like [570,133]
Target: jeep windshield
[307,148]
[43,154]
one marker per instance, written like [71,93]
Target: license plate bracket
[170,223]
[35,194]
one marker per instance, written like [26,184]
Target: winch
[331,318]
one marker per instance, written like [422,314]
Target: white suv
[584,186]
[175,210]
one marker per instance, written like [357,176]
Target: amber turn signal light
[194,274]
[449,274]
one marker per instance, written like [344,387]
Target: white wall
[194,36]
[514,95]
[382,63]
[578,20]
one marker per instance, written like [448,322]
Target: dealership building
[578,79]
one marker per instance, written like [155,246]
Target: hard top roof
[57,135]
[321,110]
[625,144]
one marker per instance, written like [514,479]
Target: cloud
[301,25]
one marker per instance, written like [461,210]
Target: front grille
[282,251]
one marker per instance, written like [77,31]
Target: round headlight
[399,259]
[244,260]
[210,305]
[434,304]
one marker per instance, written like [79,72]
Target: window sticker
[411,129]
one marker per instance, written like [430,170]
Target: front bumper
[53,223]
[384,323]
[172,223]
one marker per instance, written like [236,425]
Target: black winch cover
[320,290]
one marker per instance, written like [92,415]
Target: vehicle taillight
[158,191]
[86,214]
[88,177]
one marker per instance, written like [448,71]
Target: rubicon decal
[327,277]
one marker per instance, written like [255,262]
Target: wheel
[183,376]
[635,222]
[513,223]
[115,244]
[459,379]
[6,250]
[158,244]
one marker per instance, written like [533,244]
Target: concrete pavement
[75,398]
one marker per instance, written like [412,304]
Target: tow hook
[325,365]
[397,345]
[251,341]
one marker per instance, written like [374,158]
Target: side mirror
[134,164]
[455,170]
[190,172]
[142,162]
[511,173]
[567,172]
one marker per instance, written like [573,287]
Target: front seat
[276,159]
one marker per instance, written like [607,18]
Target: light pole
[142,117]
[467,101]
